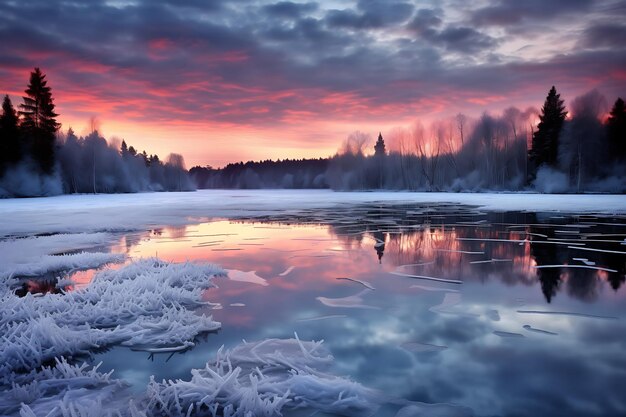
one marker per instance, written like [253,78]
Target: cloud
[371,14]
[504,12]
[288,9]
[425,20]
[605,35]
[460,39]
[269,63]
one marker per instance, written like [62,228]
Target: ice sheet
[38,255]
[352,301]
[80,213]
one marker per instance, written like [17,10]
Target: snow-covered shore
[110,212]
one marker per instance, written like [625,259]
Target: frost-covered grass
[266,378]
[147,304]
[64,390]
[270,378]
[263,378]
[88,213]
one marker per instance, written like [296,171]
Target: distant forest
[37,160]
[553,150]
[550,151]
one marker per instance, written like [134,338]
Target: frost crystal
[148,304]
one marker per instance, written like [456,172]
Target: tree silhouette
[549,278]
[379,155]
[39,120]
[379,148]
[545,142]
[124,149]
[617,131]
[9,135]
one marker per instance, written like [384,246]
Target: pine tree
[379,148]
[545,143]
[379,156]
[39,120]
[9,135]
[124,149]
[616,126]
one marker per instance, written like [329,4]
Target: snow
[38,255]
[88,213]
[147,304]
[268,378]
[61,389]
[264,378]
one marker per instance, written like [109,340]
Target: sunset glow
[222,82]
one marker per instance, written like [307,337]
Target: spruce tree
[379,148]
[9,135]
[545,143]
[616,126]
[39,120]
[124,149]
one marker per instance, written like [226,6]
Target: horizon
[257,80]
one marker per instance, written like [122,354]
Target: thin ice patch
[507,334]
[533,329]
[358,281]
[250,277]
[567,313]
[352,301]
[286,271]
[419,347]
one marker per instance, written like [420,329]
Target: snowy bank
[39,255]
[120,212]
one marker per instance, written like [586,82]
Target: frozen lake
[485,304]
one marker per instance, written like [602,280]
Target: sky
[226,80]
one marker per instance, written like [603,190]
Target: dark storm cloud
[460,39]
[288,9]
[505,12]
[609,35]
[371,14]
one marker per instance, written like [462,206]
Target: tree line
[36,159]
[287,173]
[551,150]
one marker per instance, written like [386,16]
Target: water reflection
[415,338]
